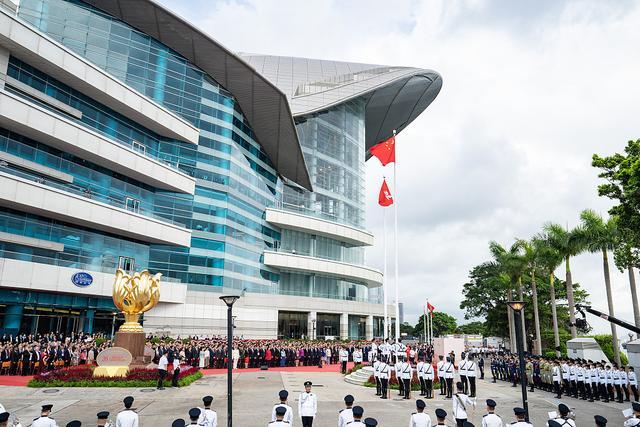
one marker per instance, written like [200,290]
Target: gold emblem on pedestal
[134,295]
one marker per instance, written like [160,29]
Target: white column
[312,331]
[369,328]
[344,326]
[4,65]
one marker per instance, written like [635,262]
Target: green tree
[473,328]
[601,236]
[406,328]
[568,243]
[549,259]
[443,324]
[531,255]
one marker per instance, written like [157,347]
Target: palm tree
[600,236]
[549,259]
[568,243]
[531,254]
[626,257]
[511,264]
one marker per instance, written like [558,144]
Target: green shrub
[606,344]
[100,341]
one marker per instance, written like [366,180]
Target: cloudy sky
[531,91]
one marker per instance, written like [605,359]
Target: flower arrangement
[82,376]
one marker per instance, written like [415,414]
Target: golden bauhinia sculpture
[134,295]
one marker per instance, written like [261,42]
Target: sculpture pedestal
[134,342]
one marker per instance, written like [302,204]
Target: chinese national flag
[430,307]
[384,198]
[385,151]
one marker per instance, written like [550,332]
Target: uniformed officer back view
[358,412]
[346,415]
[103,419]
[491,419]
[283,395]
[44,420]
[419,418]
[520,421]
[128,417]
[279,422]
[208,416]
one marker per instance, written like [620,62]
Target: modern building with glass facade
[130,139]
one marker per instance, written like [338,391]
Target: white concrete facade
[30,196]
[32,46]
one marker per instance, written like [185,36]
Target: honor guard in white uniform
[441,378]
[634,421]
[557,380]
[357,356]
[103,419]
[564,416]
[4,418]
[520,422]
[376,376]
[633,383]
[462,371]
[406,373]
[344,358]
[385,373]
[461,404]
[307,405]
[178,423]
[346,415]
[44,420]
[397,368]
[600,420]
[358,411]
[208,416]
[420,374]
[386,350]
[441,416]
[128,417]
[280,412]
[428,378]
[283,395]
[448,375]
[491,419]
[471,376]
[194,415]
[419,418]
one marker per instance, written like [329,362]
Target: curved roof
[263,104]
[395,95]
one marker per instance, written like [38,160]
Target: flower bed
[82,376]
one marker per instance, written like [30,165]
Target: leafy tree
[531,255]
[406,328]
[568,243]
[474,328]
[549,259]
[443,324]
[600,236]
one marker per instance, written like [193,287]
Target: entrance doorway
[292,325]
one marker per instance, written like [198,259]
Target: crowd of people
[575,378]
[32,354]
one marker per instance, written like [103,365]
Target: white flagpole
[384,277]
[395,209]
[430,328]
[424,321]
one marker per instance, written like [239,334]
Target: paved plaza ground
[255,393]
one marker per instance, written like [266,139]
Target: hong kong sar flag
[384,198]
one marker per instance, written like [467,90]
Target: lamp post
[113,325]
[517,307]
[229,300]
[313,333]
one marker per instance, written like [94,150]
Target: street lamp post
[517,307]
[313,333]
[113,325]
[229,300]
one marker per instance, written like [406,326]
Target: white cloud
[527,99]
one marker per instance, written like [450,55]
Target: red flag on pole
[430,307]
[384,198]
[385,151]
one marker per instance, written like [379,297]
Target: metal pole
[229,367]
[395,225]
[385,335]
[523,378]
[113,326]
[424,321]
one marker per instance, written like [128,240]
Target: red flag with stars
[385,151]
[384,198]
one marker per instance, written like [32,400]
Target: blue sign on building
[82,279]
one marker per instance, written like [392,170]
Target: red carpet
[326,368]
[14,380]
[20,381]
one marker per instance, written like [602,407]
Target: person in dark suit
[25,358]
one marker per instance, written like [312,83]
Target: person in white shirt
[441,378]
[163,363]
[624,383]
[520,418]
[307,405]
[358,412]
[448,375]
[344,358]
[208,417]
[491,419]
[44,420]
[572,379]
[461,403]
[462,372]
[564,416]
[384,377]
[633,383]
[565,377]
[376,376]
[346,415]
[278,422]
[406,373]
[235,356]
[634,421]
[471,376]
[283,395]
[420,374]
[428,378]
[419,418]
[397,368]
[357,356]
[176,371]
[128,417]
